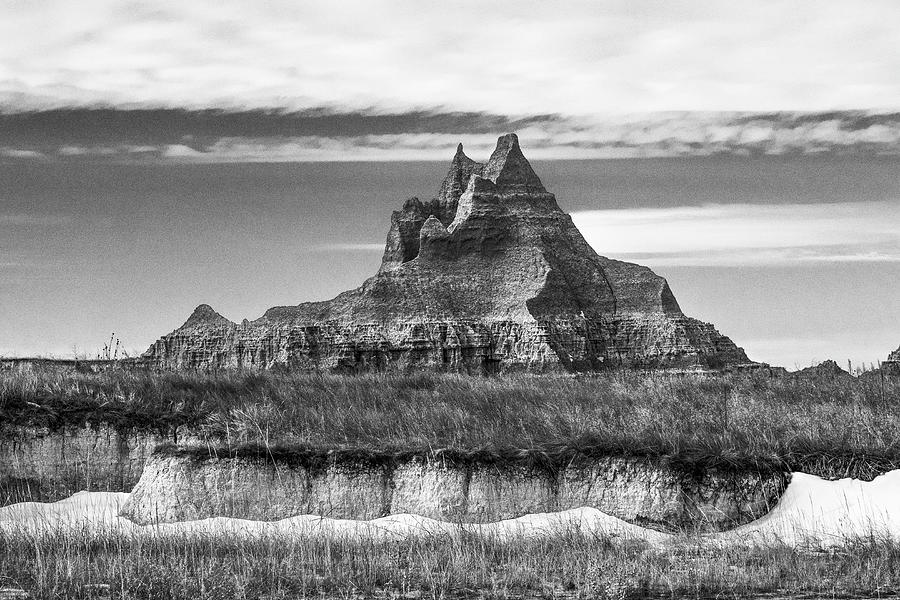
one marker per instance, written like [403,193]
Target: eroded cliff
[491,275]
[39,464]
[186,484]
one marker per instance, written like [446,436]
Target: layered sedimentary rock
[179,485]
[42,465]
[491,275]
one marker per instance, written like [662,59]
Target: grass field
[839,423]
[835,423]
[568,566]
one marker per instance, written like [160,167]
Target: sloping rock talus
[179,485]
[490,275]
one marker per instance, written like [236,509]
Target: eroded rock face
[42,465]
[179,486]
[824,370]
[488,276]
[891,366]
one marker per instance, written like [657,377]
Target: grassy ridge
[833,422]
[69,565]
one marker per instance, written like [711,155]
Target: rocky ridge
[824,370]
[490,275]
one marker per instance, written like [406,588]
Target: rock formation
[824,370]
[42,464]
[892,365]
[189,484]
[488,276]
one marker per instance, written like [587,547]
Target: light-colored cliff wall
[189,484]
[37,464]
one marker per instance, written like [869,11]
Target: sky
[504,57]
[156,155]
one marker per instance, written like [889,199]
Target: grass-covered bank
[832,424]
[569,566]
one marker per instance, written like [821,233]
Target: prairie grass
[841,425]
[71,565]
[838,424]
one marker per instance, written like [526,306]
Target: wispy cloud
[21,153]
[733,235]
[747,234]
[256,136]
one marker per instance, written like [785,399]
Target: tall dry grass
[726,420]
[74,565]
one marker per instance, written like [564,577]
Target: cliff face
[488,276]
[42,465]
[183,485]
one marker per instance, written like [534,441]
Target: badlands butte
[489,276]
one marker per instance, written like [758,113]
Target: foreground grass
[139,566]
[836,423]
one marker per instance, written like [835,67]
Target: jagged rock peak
[455,182]
[828,368]
[510,170]
[205,315]
[894,356]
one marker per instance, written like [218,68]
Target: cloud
[179,151]
[505,57]
[256,136]
[747,234]
[736,235]
[19,153]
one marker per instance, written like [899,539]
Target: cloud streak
[269,136]
[747,234]
[737,235]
